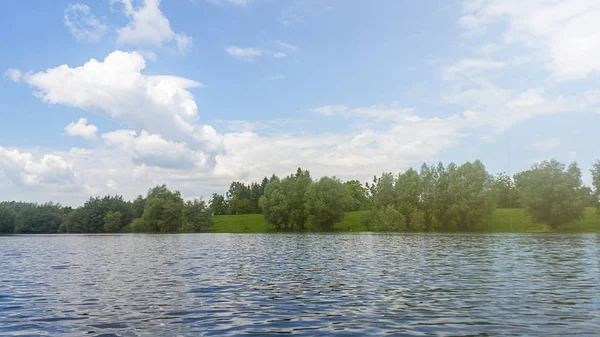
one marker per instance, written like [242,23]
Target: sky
[116,96]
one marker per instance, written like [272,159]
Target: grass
[503,220]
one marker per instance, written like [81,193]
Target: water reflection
[352,284]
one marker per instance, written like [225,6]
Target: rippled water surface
[303,284]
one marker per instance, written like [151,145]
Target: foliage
[552,193]
[470,185]
[163,211]
[326,200]
[388,219]
[34,218]
[197,216]
[218,205]
[427,196]
[7,219]
[358,193]
[408,190]
[382,191]
[275,204]
[112,222]
[506,191]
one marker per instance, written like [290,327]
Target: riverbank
[503,220]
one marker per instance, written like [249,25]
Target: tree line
[437,196]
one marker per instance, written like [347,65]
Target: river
[354,284]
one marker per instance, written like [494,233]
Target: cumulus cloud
[47,171]
[117,89]
[153,150]
[82,23]
[82,129]
[148,26]
[566,32]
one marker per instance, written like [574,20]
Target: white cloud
[14,75]
[82,129]
[470,67]
[249,53]
[117,89]
[149,27]
[153,150]
[243,53]
[567,33]
[82,23]
[374,112]
[241,3]
[48,171]
[546,144]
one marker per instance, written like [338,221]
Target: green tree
[7,219]
[552,193]
[443,199]
[471,187]
[596,183]
[388,219]
[326,200]
[408,188]
[75,222]
[274,204]
[427,195]
[112,222]
[238,205]
[137,207]
[506,191]
[34,218]
[163,211]
[357,192]
[382,191]
[296,187]
[197,216]
[218,204]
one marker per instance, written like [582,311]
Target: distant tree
[238,205]
[75,222]
[95,209]
[296,187]
[326,200]
[218,204]
[596,183]
[358,193]
[274,204]
[443,199]
[137,207]
[506,191]
[33,218]
[163,211]
[383,191]
[552,194]
[197,216]
[112,222]
[256,191]
[471,187]
[427,195]
[388,219]
[408,190]
[7,219]
[589,197]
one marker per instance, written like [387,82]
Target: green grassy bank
[503,220]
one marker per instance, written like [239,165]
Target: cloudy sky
[115,96]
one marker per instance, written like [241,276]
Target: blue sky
[115,96]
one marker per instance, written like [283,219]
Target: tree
[163,211]
[443,200]
[383,192]
[427,195]
[471,188]
[238,205]
[137,207]
[218,204]
[34,218]
[408,190]
[357,192]
[274,204]
[112,222]
[552,194]
[326,200]
[506,191]
[388,219]
[596,183]
[197,216]
[296,187]
[75,222]
[7,219]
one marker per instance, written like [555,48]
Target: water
[305,284]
